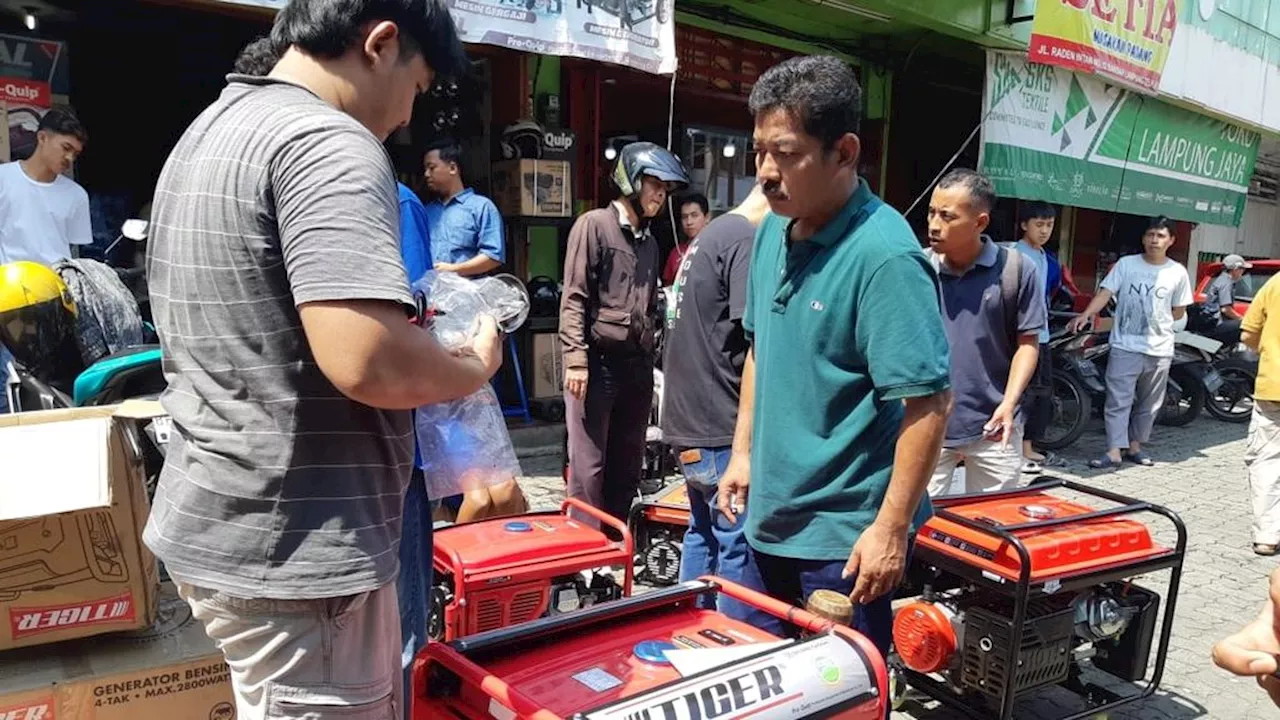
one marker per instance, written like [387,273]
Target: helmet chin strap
[641,219]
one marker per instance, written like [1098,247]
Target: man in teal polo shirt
[845,393]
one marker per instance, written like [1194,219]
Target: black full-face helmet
[638,159]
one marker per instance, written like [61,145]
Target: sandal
[1032,467]
[1264,549]
[1104,463]
[1138,458]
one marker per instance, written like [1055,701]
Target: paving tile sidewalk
[1199,473]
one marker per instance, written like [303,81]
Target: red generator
[1027,589]
[657,656]
[658,524]
[504,571]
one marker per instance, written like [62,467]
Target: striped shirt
[275,485]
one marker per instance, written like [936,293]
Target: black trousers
[1039,397]
[607,433]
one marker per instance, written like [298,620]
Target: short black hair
[449,149]
[1037,210]
[1160,222]
[328,28]
[978,185]
[62,121]
[695,197]
[819,90]
[258,58]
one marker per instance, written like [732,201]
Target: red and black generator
[658,524]
[657,656]
[504,571]
[1025,589]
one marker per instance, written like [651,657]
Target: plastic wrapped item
[464,443]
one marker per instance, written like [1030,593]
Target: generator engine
[658,524]
[1024,589]
[964,636]
[505,571]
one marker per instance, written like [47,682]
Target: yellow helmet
[26,284]
[37,317]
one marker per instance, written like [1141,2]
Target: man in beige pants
[1260,330]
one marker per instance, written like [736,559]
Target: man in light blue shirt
[466,228]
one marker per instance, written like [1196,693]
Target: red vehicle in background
[1245,288]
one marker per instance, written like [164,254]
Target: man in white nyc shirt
[43,212]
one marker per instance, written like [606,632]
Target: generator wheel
[897,689]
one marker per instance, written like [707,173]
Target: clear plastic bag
[464,443]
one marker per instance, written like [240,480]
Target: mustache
[773,189]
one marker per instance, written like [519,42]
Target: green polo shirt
[845,326]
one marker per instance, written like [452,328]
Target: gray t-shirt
[1220,294]
[276,485]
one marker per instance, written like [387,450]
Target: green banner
[1053,135]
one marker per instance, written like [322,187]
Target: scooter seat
[91,383]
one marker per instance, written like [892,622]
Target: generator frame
[619,553]
[462,658]
[1021,591]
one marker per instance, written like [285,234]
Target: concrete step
[537,439]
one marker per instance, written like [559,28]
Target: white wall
[1257,236]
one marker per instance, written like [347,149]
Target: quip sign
[1124,41]
[1073,139]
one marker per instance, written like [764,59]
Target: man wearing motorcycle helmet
[611,274]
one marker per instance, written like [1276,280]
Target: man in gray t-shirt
[282,306]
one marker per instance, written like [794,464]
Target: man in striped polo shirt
[280,298]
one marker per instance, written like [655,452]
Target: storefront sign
[32,71]
[1053,135]
[636,33]
[1126,41]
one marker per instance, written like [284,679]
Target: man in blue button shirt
[466,228]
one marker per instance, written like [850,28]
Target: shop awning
[1050,134]
[635,33]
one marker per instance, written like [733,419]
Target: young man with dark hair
[607,329]
[414,580]
[845,391]
[281,301]
[695,213]
[1152,292]
[704,355]
[43,213]
[993,309]
[1037,220]
[466,227]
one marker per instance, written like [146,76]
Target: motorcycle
[1077,383]
[1192,379]
[60,378]
[1237,366]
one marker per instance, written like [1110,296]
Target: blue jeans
[414,584]
[793,581]
[714,547]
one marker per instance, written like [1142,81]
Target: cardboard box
[533,188]
[548,366]
[169,671]
[73,503]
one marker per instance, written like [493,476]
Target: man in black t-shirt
[704,356]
